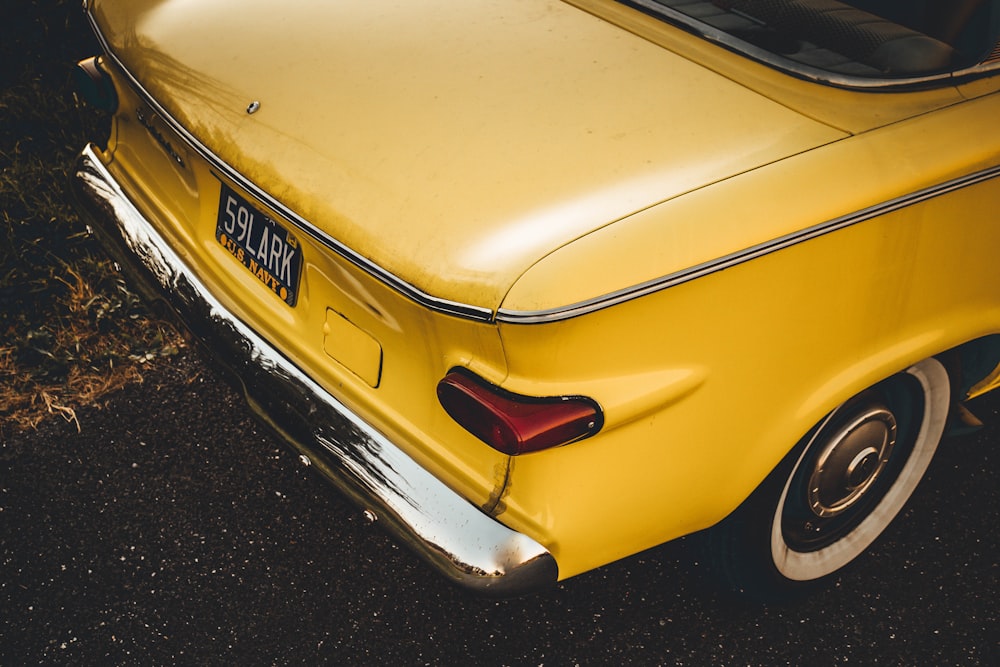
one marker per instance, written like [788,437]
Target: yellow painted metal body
[455,143]
[526,156]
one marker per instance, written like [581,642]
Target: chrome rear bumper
[467,546]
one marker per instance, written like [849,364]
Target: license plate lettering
[262,245]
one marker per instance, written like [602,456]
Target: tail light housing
[94,85]
[513,423]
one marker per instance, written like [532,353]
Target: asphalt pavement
[172,529]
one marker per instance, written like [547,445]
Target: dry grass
[70,333]
[93,342]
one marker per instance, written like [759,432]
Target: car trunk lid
[453,145]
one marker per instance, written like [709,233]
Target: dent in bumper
[454,536]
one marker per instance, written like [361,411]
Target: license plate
[262,245]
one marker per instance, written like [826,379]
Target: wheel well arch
[973,368]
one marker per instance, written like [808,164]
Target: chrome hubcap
[851,462]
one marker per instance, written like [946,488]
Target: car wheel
[839,489]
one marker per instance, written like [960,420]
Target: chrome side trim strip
[799,70]
[741,256]
[410,291]
[467,546]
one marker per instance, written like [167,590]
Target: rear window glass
[864,38]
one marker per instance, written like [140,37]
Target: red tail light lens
[515,424]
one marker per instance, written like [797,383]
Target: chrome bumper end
[467,546]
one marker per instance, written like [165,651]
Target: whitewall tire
[840,488]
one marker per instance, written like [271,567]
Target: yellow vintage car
[544,283]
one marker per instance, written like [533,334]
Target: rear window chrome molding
[739,257]
[445,306]
[801,71]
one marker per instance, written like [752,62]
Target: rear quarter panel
[708,384]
